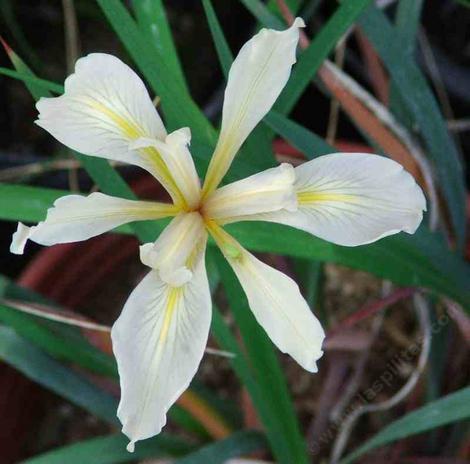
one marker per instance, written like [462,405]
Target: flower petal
[353,199]
[256,78]
[159,340]
[269,190]
[74,218]
[174,248]
[105,106]
[276,302]
[175,153]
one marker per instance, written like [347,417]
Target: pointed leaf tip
[7,47]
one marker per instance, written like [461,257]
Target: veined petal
[256,78]
[174,248]
[159,340]
[177,158]
[105,106]
[353,199]
[270,190]
[74,218]
[276,302]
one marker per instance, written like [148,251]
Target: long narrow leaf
[421,102]
[237,444]
[49,373]
[112,450]
[318,50]
[422,259]
[285,438]
[451,408]
[152,19]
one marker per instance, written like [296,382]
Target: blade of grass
[8,16]
[407,20]
[451,408]
[243,368]
[310,144]
[42,84]
[288,445]
[417,95]
[240,365]
[152,20]
[237,444]
[43,370]
[61,342]
[320,47]
[29,204]
[112,450]
[178,107]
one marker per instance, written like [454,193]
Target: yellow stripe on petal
[75,218]
[269,190]
[353,199]
[159,340]
[131,130]
[310,197]
[276,302]
[257,76]
[106,106]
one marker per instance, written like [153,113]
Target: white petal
[256,78]
[353,199]
[74,218]
[276,302]
[159,340]
[105,106]
[174,248]
[175,153]
[269,190]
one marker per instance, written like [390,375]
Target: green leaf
[60,341]
[43,370]
[422,259]
[421,103]
[223,51]
[42,85]
[320,47]
[281,422]
[237,444]
[407,21]
[262,13]
[178,107]
[152,20]
[240,364]
[451,408]
[112,450]
[36,90]
[310,144]
[242,367]
[29,204]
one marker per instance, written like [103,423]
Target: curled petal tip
[19,239]
[298,22]
[131,446]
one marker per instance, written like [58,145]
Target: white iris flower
[160,337]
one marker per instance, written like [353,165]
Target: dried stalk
[422,312]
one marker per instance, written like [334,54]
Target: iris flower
[161,334]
